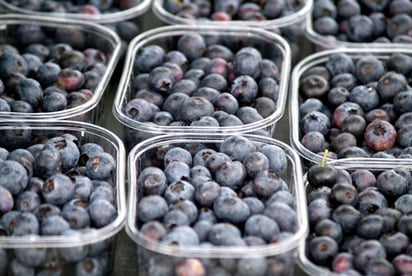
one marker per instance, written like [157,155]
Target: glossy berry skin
[231,209]
[7,201]
[380,135]
[323,250]
[151,207]
[13,176]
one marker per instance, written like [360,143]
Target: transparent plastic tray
[295,99]
[90,35]
[101,18]
[350,164]
[21,134]
[152,254]
[270,45]
[291,18]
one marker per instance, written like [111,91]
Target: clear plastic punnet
[380,25]
[81,10]
[273,50]
[60,241]
[320,92]
[76,61]
[159,248]
[365,180]
[294,13]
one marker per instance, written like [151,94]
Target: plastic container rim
[100,234]
[162,14]
[103,18]
[216,251]
[294,95]
[108,34]
[175,30]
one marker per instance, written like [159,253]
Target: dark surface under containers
[125,255]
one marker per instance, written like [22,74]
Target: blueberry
[89,266]
[266,183]
[102,212]
[58,189]
[153,230]
[190,266]
[323,250]
[340,63]
[101,166]
[326,26]
[17,268]
[7,200]
[148,58]
[360,28]
[45,210]
[181,236]
[248,115]
[314,141]
[391,183]
[365,96]
[207,192]
[261,226]
[77,216]
[202,228]
[252,266]
[402,101]
[231,209]
[371,226]
[47,163]
[53,225]
[215,81]
[176,171]
[247,62]
[369,69]
[363,178]
[231,174]
[367,250]
[344,110]
[12,63]
[283,215]
[152,180]
[315,121]
[192,45]
[402,263]
[342,262]
[347,216]
[402,203]
[151,207]
[178,190]
[380,135]
[27,201]
[188,207]
[175,218]
[370,200]
[13,176]
[237,147]
[390,84]
[221,231]
[276,156]
[318,209]
[194,108]
[324,8]
[70,153]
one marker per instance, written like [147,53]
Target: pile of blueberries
[126,29]
[232,193]
[360,220]
[49,69]
[55,185]
[205,81]
[358,106]
[223,10]
[244,10]
[364,20]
